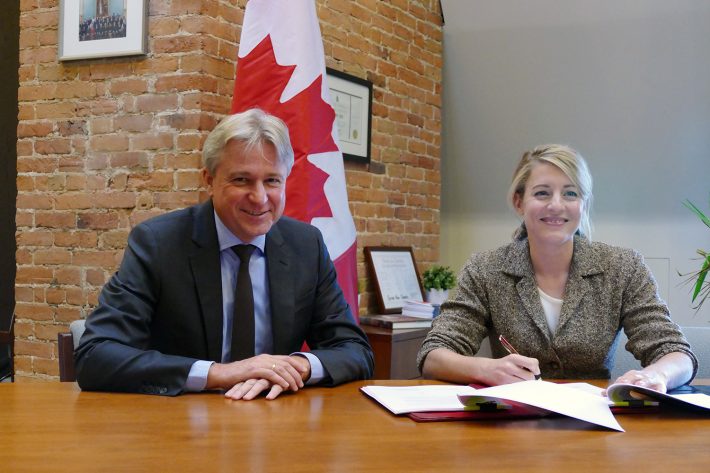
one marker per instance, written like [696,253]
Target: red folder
[516,411]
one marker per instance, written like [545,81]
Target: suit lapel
[281,289]
[519,265]
[206,270]
[527,290]
[584,264]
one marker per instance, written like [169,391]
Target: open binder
[527,399]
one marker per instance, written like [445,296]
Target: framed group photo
[101,28]
[351,98]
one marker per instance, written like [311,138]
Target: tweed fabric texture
[608,289]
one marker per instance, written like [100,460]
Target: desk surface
[55,427]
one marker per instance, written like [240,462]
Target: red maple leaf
[260,83]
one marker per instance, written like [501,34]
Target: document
[631,393]
[553,397]
[426,398]
[571,402]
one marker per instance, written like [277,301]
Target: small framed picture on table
[396,277]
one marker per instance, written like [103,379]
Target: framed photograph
[396,277]
[101,28]
[351,98]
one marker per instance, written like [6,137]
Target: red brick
[129,86]
[109,143]
[129,159]
[67,275]
[34,201]
[156,103]
[98,220]
[152,141]
[134,122]
[115,200]
[76,239]
[52,256]
[33,348]
[45,366]
[55,219]
[96,258]
[95,277]
[72,127]
[25,129]
[73,201]
[75,296]
[33,311]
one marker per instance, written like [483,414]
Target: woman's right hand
[446,365]
[510,369]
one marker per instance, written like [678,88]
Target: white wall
[626,82]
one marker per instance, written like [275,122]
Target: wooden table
[54,427]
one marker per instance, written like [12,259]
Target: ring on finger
[273,367]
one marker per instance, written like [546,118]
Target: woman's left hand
[645,378]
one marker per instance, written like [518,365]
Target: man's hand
[246,379]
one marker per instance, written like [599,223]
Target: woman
[558,298]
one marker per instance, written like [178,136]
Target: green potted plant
[701,289]
[437,280]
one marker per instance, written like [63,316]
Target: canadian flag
[281,69]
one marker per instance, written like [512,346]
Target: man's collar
[227,239]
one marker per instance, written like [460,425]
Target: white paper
[558,398]
[696,399]
[426,398]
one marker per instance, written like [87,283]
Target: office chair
[66,343]
[7,338]
[699,338]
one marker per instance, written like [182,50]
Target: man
[164,323]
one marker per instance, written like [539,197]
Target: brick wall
[104,144]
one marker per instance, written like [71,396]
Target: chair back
[698,337]
[7,341]
[66,343]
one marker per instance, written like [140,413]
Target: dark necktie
[243,318]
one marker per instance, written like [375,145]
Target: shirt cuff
[317,370]
[197,377]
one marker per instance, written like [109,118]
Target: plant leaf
[697,212]
[701,278]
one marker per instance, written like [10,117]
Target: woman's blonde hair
[567,160]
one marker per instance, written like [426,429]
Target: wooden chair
[66,342]
[7,338]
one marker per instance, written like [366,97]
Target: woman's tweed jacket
[608,288]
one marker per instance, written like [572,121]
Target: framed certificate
[351,98]
[396,277]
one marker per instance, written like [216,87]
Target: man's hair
[253,128]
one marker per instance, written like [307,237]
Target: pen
[511,349]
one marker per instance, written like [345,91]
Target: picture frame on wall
[396,277]
[90,29]
[351,98]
